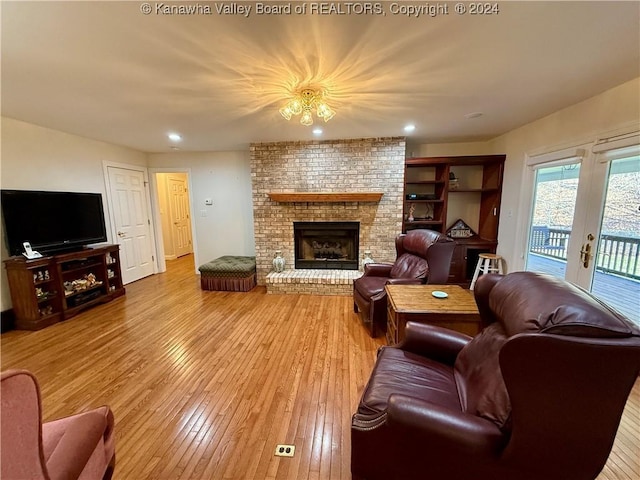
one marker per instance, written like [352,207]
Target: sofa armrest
[444,429]
[70,442]
[437,343]
[481,291]
[377,269]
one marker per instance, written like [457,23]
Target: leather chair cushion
[479,379]
[531,302]
[370,286]
[409,266]
[405,373]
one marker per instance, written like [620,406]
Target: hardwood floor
[204,385]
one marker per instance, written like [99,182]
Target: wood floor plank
[203,385]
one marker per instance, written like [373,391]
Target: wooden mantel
[325,197]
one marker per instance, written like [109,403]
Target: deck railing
[617,254]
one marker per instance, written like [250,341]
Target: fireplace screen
[326,245]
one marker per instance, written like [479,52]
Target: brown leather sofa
[537,395]
[79,447]
[423,256]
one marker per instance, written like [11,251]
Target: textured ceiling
[105,70]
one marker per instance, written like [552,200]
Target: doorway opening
[174,216]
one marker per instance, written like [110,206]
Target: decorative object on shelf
[303,102]
[421,196]
[412,209]
[459,229]
[367,258]
[278,262]
[453,181]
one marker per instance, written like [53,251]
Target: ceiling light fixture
[303,103]
[317,131]
[174,137]
[409,128]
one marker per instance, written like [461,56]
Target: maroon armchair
[80,447]
[423,256]
[537,395]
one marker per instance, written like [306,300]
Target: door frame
[155,212]
[145,173]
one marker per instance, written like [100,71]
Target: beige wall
[614,110]
[226,227]
[34,157]
[37,158]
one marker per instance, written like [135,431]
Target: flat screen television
[52,221]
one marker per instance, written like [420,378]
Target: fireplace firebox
[326,245]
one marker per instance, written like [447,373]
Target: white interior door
[585,225]
[131,221]
[180,222]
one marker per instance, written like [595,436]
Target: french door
[585,222]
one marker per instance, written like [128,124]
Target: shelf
[78,268]
[426,182]
[423,222]
[328,197]
[44,298]
[473,190]
[78,292]
[474,197]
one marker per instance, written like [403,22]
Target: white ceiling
[106,71]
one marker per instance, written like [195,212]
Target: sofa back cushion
[533,302]
[409,266]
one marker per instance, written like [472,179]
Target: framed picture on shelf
[460,229]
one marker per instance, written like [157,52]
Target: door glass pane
[553,208]
[616,280]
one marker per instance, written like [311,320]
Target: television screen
[52,221]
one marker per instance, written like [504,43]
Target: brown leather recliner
[423,256]
[537,395]
[79,447]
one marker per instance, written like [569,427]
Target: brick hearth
[318,282]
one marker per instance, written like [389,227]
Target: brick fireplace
[360,165]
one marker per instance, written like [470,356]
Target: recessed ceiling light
[174,137]
[473,115]
[409,128]
[317,131]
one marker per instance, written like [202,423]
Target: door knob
[121,234]
[585,254]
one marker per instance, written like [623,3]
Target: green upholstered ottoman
[229,274]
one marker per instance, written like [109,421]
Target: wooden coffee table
[417,304]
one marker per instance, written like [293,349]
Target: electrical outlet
[285,450]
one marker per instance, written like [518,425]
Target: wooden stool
[487,263]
